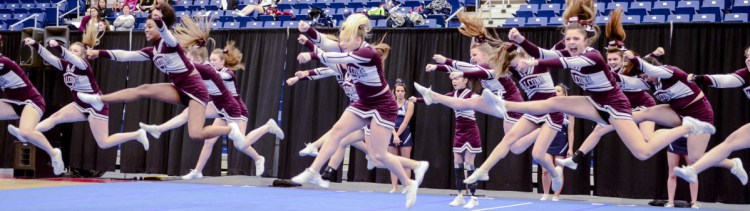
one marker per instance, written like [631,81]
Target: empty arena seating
[637,12]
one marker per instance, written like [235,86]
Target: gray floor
[360,186]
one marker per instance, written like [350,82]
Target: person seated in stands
[93,16]
[260,8]
[124,22]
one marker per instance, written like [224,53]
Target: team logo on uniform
[663,96]
[70,79]
[582,80]
[161,62]
[531,82]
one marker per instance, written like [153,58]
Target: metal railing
[34,16]
[448,20]
[76,9]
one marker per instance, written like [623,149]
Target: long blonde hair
[474,27]
[580,15]
[231,55]
[194,34]
[356,25]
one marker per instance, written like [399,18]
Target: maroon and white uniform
[365,68]
[538,85]
[501,86]
[223,101]
[343,79]
[78,76]
[635,89]
[673,87]
[230,82]
[591,73]
[466,135]
[18,90]
[738,78]
[170,58]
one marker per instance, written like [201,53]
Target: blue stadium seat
[432,23]
[600,7]
[556,21]
[735,17]
[140,26]
[654,19]
[232,25]
[548,10]
[705,18]
[284,7]
[284,18]
[289,24]
[614,5]
[713,7]
[382,24]
[321,3]
[639,8]
[439,19]
[337,4]
[556,1]
[514,22]
[272,24]
[536,21]
[631,19]
[302,4]
[663,8]
[537,1]
[184,3]
[527,10]
[678,18]
[454,24]
[265,18]
[356,4]
[687,7]
[741,6]
[372,3]
[601,19]
[254,25]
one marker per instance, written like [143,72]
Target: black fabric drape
[311,108]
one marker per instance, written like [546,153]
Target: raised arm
[47,56]
[649,69]
[144,54]
[320,73]
[584,60]
[468,70]
[321,41]
[169,39]
[541,53]
[730,80]
[363,55]
[629,82]
[73,59]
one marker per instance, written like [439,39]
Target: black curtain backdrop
[309,109]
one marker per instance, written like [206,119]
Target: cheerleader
[329,42]
[79,77]
[738,140]
[605,103]
[632,86]
[467,143]
[223,107]
[376,106]
[481,49]
[22,101]
[186,88]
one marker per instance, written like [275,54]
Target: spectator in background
[124,22]
[93,16]
[146,5]
[260,8]
[101,8]
[103,25]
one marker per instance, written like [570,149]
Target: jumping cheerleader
[79,77]
[376,106]
[605,103]
[223,106]
[22,101]
[187,87]
[738,140]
